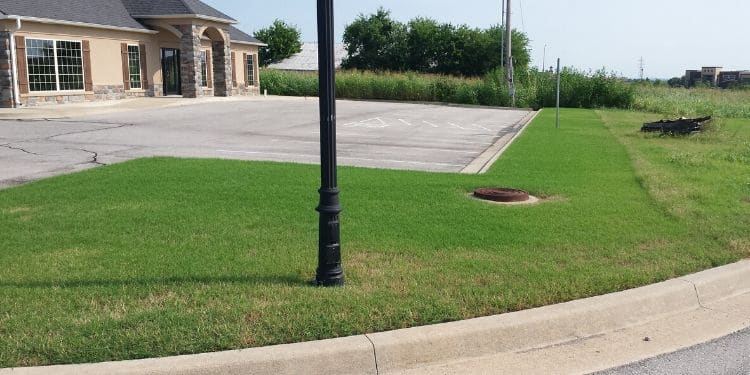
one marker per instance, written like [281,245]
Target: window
[250,70]
[204,69]
[134,67]
[54,65]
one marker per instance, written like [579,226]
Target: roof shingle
[237,35]
[105,12]
[173,7]
[117,13]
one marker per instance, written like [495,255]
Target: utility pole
[544,59]
[557,116]
[329,271]
[509,54]
[641,67]
[502,38]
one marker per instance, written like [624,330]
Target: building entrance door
[170,67]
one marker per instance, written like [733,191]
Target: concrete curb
[484,161]
[400,350]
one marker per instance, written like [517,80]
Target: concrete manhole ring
[504,196]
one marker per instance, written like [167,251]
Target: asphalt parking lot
[370,134]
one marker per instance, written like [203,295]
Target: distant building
[732,78]
[307,59]
[710,74]
[715,76]
[691,77]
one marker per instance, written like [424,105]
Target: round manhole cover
[505,195]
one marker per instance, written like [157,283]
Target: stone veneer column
[190,47]
[222,62]
[6,71]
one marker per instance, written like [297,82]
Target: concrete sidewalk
[571,338]
[57,111]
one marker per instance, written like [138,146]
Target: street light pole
[329,271]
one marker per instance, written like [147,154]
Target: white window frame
[255,74]
[204,65]
[140,68]
[57,67]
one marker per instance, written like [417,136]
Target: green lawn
[164,256]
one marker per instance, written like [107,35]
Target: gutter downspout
[14,62]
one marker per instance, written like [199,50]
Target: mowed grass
[164,256]
[702,180]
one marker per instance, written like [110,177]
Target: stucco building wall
[106,64]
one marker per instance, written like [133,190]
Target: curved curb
[400,350]
[486,159]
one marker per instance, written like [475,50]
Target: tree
[424,45]
[675,82]
[283,41]
[519,48]
[375,42]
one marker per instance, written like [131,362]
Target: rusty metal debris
[677,126]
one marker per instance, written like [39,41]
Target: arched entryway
[218,64]
[194,61]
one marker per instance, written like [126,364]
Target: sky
[669,35]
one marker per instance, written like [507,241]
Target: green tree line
[378,42]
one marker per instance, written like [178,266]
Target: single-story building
[307,59]
[60,51]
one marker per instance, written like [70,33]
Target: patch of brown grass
[741,245]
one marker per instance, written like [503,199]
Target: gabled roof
[307,59]
[155,8]
[117,13]
[103,12]
[237,35]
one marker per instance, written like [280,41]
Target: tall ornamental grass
[693,102]
[533,89]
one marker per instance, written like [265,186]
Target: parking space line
[482,127]
[405,122]
[458,126]
[431,124]
[364,123]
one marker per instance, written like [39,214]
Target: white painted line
[482,127]
[368,124]
[404,122]
[458,126]
[358,123]
[431,124]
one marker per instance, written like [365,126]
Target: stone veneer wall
[101,93]
[190,60]
[222,66]
[6,71]
[246,90]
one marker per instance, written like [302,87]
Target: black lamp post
[329,271]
